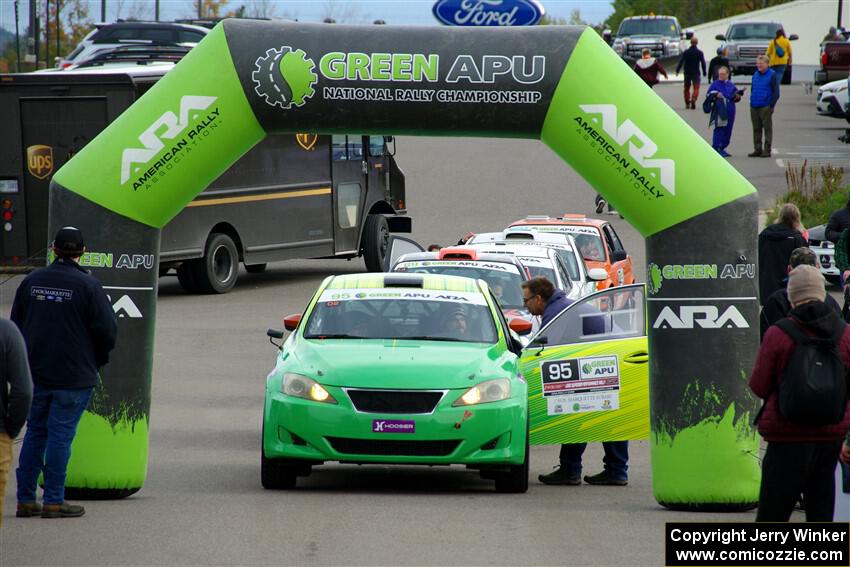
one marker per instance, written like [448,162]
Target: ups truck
[292,196]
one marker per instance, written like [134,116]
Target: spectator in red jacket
[799,458]
[648,68]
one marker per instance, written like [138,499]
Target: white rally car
[833,99]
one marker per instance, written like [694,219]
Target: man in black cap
[69,328]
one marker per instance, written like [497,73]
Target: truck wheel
[255,268]
[217,271]
[786,77]
[186,277]
[376,234]
[515,481]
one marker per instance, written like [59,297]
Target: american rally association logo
[284,77]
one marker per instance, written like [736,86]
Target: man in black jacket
[838,222]
[777,306]
[15,396]
[70,328]
[694,61]
[716,63]
[776,243]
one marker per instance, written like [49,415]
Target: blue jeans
[51,426]
[616,460]
[780,71]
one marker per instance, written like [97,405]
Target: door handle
[640,357]
[364,167]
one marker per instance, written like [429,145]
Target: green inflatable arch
[562,85]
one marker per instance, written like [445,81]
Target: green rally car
[398,369]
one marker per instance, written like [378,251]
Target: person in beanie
[800,458]
[717,62]
[15,396]
[763,98]
[648,68]
[777,306]
[776,243]
[693,61]
[69,328]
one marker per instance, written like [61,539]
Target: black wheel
[786,77]
[376,234]
[515,481]
[217,271]
[276,474]
[186,277]
[255,268]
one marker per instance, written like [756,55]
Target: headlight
[299,386]
[733,51]
[485,392]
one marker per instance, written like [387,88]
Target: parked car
[597,241]
[825,251]
[662,35]
[834,60]
[833,99]
[106,36]
[745,41]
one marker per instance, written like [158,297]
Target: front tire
[218,270]
[515,481]
[376,235]
[275,474]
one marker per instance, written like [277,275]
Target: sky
[359,11]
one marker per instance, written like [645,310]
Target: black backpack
[813,390]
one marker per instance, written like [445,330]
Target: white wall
[809,19]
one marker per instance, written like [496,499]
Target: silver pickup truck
[747,40]
[662,35]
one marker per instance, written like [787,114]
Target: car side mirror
[273,334]
[688,34]
[720,37]
[618,255]
[597,274]
[520,326]
[291,322]
[793,37]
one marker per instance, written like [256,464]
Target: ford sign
[488,12]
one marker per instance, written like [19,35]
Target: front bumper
[829,105]
[488,434]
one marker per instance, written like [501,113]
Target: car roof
[516,249]
[481,258]
[438,282]
[153,25]
[650,17]
[566,218]
[118,68]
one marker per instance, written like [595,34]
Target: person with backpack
[779,53]
[801,373]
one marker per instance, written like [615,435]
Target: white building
[809,19]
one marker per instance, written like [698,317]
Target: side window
[617,313]
[347,204]
[565,274]
[158,35]
[186,36]
[347,148]
[616,245]
[376,146]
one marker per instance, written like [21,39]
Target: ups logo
[40,161]
[307,141]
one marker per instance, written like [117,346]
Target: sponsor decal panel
[287,78]
[393,426]
[463,297]
[581,385]
[488,12]
[659,274]
[700,317]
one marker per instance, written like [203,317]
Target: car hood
[386,363]
[750,42]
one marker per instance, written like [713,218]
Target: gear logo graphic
[284,77]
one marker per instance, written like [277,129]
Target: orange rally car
[596,239]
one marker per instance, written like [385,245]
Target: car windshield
[402,314]
[504,279]
[655,26]
[753,31]
[588,239]
[539,267]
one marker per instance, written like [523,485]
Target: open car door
[398,246]
[588,371]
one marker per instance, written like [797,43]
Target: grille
[393,447]
[394,401]
[751,52]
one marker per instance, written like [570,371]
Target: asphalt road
[203,504]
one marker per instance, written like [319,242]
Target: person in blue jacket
[763,99]
[69,328]
[720,102]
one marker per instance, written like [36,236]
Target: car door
[621,262]
[588,371]
[398,246]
